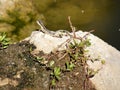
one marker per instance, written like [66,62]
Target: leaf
[52,63]
[69,66]
[4,40]
[53,82]
[57,72]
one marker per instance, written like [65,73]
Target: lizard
[58,33]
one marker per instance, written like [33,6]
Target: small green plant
[41,60]
[69,66]
[30,49]
[82,44]
[4,41]
[76,49]
[53,83]
[91,73]
[55,75]
[85,43]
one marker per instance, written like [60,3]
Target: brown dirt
[25,72]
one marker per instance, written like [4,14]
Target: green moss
[20,19]
[4,40]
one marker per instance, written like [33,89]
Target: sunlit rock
[45,42]
[108,76]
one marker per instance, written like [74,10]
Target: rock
[108,76]
[45,42]
[21,70]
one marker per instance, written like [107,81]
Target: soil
[20,69]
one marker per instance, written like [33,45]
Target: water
[101,15]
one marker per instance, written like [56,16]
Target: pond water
[101,15]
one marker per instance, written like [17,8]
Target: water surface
[101,15]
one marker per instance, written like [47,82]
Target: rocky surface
[24,66]
[23,69]
[108,76]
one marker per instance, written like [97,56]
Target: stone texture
[109,75]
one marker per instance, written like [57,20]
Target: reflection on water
[100,15]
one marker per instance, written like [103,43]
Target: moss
[20,19]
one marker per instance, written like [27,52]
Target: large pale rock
[109,75]
[45,42]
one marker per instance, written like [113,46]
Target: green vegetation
[69,66]
[77,49]
[41,60]
[76,53]
[4,41]
[19,20]
[55,75]
[91,73]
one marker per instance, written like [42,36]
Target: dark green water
[101,15]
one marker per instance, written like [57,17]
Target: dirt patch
[21,70]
